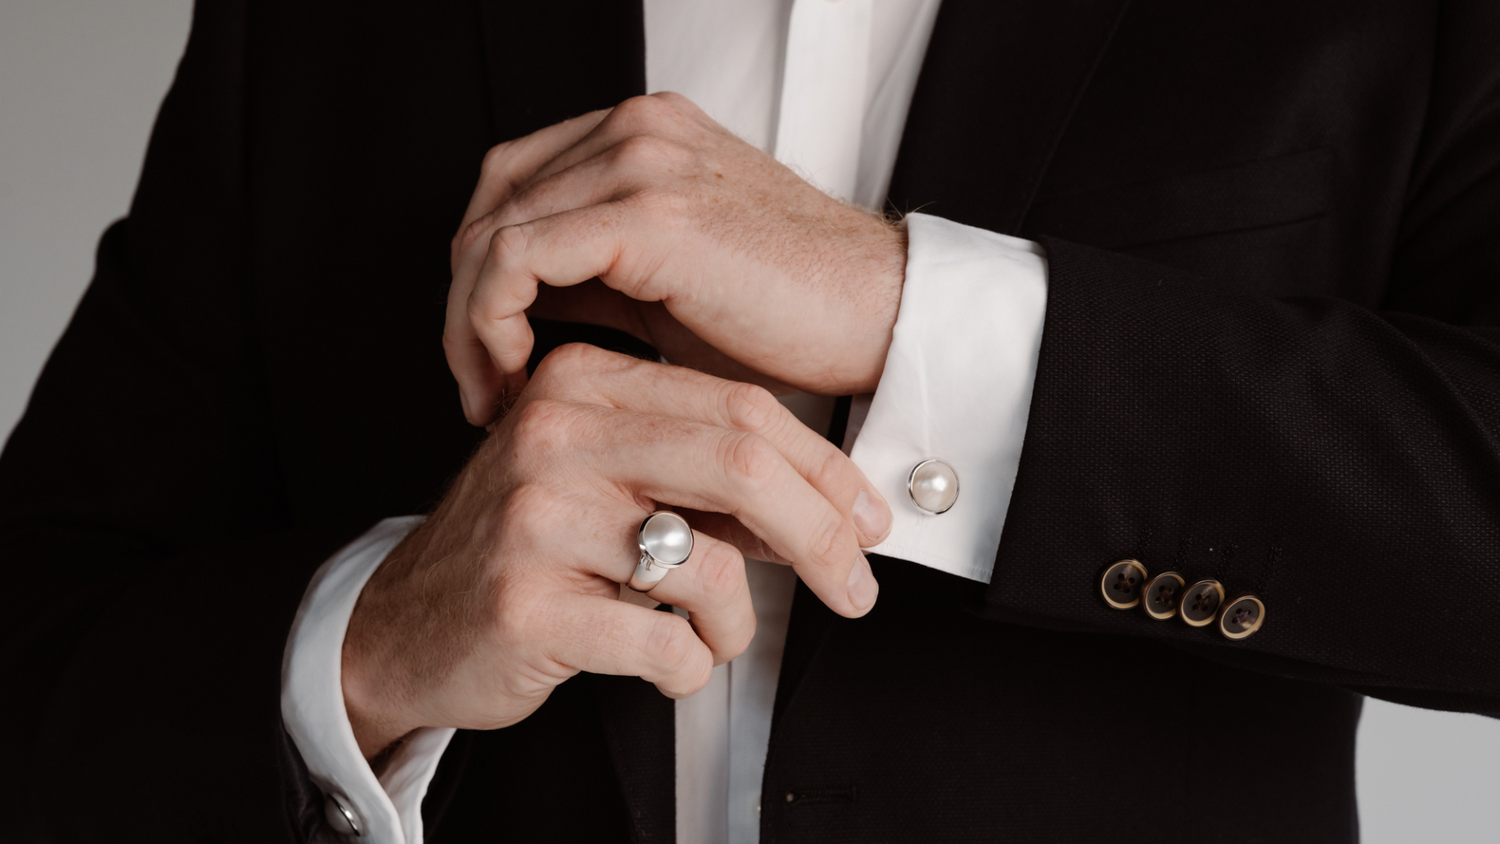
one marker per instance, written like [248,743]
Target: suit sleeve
[1340,462]
[151,567]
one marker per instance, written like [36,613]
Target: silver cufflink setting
[933,486]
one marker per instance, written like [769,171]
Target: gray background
[80,83]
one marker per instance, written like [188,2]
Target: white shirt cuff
[957,387]
[389,809]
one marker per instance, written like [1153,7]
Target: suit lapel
[548,60]
[997,88]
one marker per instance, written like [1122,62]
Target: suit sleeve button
[1200,602]
[1121,584]
[1241,617]
[1161,594]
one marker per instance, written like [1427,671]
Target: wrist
[885,277]
[370,669]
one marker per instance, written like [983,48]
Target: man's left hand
[704,246]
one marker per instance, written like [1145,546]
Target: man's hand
[512,586]
[706,247]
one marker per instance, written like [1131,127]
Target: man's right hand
[512,586]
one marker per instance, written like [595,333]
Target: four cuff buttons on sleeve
[1126,584]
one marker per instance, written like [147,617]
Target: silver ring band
[665,541]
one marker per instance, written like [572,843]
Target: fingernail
[872,516]
[862,585]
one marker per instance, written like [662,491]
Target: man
[1293,396]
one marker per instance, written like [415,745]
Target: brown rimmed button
[1200,602]
[1121,584]
[1160,594]
[1241,617]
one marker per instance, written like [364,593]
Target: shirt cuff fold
[388,809]
[956,387]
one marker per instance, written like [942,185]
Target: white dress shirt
[825,86]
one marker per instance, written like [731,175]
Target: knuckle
[572,360]
[473,234]
[516,616]
[673,641]
[672,98]
[493,164]
[532,525]
[830,469]
[513,621]
[669,210]
[509,242]
[469,234]
[723,571]
[542,428]
[451,344]
[829,541]
[739,641]
[477,308]
[638,111]
[749,458]
[529,683]
[526,507]
[641,151]
[750,407]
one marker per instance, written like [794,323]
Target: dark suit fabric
[1271,356]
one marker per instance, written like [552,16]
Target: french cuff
[956,389]
[387,810]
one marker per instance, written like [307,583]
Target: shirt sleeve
[956,387]
[388,809]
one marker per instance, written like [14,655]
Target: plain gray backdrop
[80,83]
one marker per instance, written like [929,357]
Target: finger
[728,529]
[506,168]
[509,166]
[481,385]
[658,116]
[606,176]
[688,464]
[605,636]
[676,391]
[712,587]
[560,250]
[615,138]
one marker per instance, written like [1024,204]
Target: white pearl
[933,486]
[668,538]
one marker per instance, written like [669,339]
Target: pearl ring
[666,542]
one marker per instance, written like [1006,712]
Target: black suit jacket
[1270,355]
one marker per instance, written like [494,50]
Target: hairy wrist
[884,271]
[371,665]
